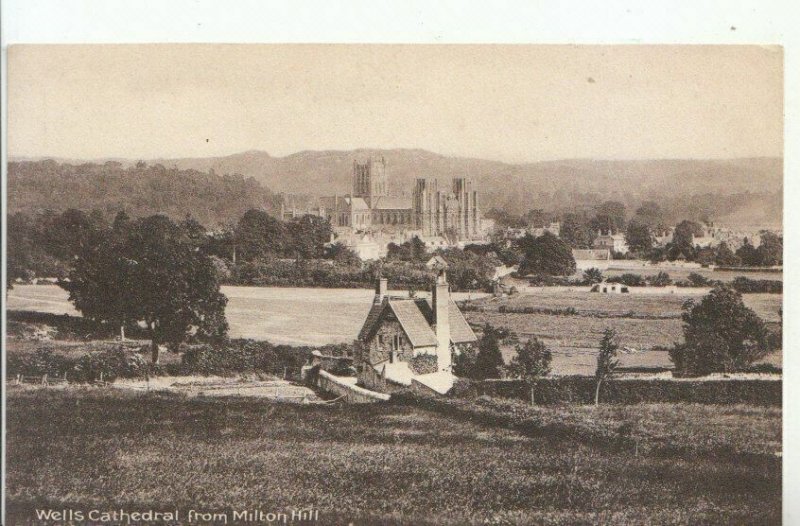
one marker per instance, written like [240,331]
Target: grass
[396,463]
[574,338]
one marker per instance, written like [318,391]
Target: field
[396,463]
[641,322]
[303,316]
[293,316]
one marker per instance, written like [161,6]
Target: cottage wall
[380,347]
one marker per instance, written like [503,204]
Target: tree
[639,236]
[748,254]
[607,362]
[725,257]
[650,214]
[683,239]
[610,217]
[720,334]
[576,231]
[489,360]
[531,362]
[545,255]
[464,361]
[307,236]
[259,235]
[341,253]
[593,275]
[156,275]
[661,279]
[770,251]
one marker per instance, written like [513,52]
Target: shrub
[424,364]
[698,280]
[661,279]
[747,285]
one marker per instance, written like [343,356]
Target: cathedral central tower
[369,180]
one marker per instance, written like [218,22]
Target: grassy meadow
[395,463]
[641,322]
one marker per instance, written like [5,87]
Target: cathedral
[453,215]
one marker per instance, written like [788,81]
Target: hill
[718,188]
[139,190]
[551,185]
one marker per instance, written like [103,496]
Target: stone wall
[353,394]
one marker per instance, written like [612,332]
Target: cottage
[400,330]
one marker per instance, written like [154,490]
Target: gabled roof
[416,318]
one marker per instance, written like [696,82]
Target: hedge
[580,390]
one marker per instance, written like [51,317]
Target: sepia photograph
[396,284]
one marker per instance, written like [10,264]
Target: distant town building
[454,215]
[614,242]
[554,228]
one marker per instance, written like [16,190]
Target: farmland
[395,463]
[300,316]
[642,322]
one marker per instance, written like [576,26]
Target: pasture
[394,463]
[642,322]
[303,316]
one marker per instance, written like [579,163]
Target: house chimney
[380,290]
[441,319]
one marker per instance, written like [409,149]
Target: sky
[512,103]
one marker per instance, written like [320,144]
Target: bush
[746,285]
[424,364]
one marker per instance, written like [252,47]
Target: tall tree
[770,251]
[610,217]
[546,255]
[531,362]
[576,231]
[489,361]
[259,235]
[683,239]
[639,236]
[607,362]
[650,214]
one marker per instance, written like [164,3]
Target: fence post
[19,380]
[44,379]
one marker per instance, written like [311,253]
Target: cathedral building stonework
[453,215]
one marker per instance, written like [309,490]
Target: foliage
[141,190]
[629,279]
[423,363]
[609,217]
[725,257]
[151,273]
[592,276]
[698,280]
[639,236]
[413,250]
[546,255]
[661,279]
[489,360]
[531,362]
[746,285]
[770,251]
[607,362]
[576,231]
[720,335]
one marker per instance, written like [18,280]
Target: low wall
[372,379]
[352,393]
[580,390]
